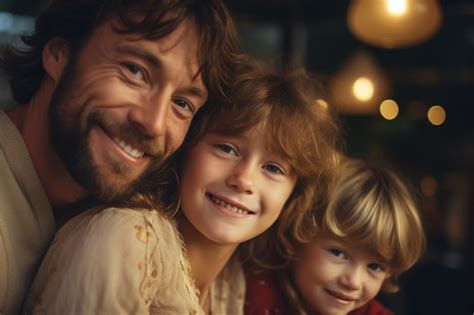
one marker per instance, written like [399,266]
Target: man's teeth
[227,206]
[128,149]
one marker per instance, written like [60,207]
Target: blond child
[245,164]
[369,233]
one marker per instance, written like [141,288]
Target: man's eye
[183,103]
[273,169]
[337,253]
[227,148]
[135,70]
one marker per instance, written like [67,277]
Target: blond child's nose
[352,278]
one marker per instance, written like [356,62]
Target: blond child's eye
[337,253]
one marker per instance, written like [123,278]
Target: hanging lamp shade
[360,85]
[394,23]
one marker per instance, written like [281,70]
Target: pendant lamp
[394,23]
[360,85]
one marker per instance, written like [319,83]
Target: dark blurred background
[434,152]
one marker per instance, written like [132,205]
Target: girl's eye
[227,148]
[273,169]
[337,253]
[376,267]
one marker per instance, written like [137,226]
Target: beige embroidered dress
[125,261]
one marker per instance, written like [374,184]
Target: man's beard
[70,141]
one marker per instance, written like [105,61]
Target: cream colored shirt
[125,261]
[26,219]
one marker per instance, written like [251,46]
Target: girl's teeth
[227,206]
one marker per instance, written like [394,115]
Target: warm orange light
[389,109]
[396,7]
[359,85]
[436,115]
[394,23]
[363,89]
[322,103]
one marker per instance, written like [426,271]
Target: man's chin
[113,193]
[108,186]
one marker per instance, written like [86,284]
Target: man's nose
[152,114]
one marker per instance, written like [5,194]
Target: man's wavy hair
[75,20]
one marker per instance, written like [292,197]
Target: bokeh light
[436,115]
[389,109]
[396,7]
[363,89]
[322,103]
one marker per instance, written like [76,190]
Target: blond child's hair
[374,208]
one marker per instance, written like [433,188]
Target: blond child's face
[336,277]
[233,188]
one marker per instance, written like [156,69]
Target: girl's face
[336,277]
[232,188]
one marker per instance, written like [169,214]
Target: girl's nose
[242,178]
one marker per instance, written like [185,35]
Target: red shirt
[263,297]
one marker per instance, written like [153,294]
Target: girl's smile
[229,207]
[233,188]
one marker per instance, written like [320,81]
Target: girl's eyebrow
[242,136]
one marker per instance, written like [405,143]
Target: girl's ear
[55,57]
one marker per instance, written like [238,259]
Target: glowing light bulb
[394,23]
[397,7]
[436,115]
[363,89]
[389,109]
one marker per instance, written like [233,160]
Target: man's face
[124,104]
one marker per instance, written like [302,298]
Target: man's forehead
[186,29]
[176,52]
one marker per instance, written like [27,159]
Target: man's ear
[55,57]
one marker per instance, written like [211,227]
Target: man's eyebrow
[196,91]
[156,62]
[149,57]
